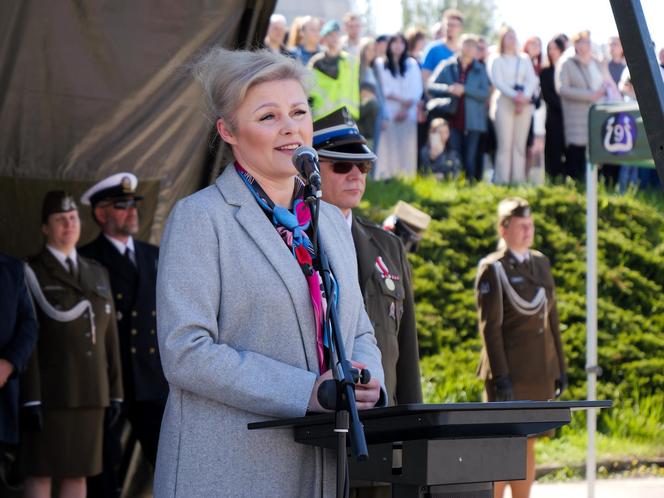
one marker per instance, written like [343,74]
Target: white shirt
[408,86]
[349,220]
[508,70]
[62,257]
[521,257]
[123,247]
[120,246]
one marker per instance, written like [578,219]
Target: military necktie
[129,254]
[70,266]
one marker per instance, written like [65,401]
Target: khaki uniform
[526,347]
[73,372]
[388,298]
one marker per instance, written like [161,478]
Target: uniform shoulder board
[375,228]
[490,259]
[537,254]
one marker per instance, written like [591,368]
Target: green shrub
[631,280]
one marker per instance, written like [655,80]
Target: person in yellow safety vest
[336,76]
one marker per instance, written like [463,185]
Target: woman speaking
[240,312]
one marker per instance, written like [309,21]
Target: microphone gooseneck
[305,160]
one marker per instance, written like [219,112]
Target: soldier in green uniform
[73,384]
[383,269]
[522,357]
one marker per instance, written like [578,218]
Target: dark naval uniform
[519,325]
[74,371]
[385,281]
[18,335]
[134,290]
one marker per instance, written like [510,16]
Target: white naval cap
[117,186]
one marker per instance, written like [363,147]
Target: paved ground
[606,488]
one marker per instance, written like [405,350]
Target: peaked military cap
[336,137]
[115,187]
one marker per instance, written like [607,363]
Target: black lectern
[449,451]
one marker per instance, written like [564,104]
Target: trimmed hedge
[631,276]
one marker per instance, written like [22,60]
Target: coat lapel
[366,252]
[118,262]
[89,279]
[333,243]
[254,222]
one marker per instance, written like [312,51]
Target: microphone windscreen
[303,154]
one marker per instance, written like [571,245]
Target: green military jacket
[385,282]
[520,342]
[71,367]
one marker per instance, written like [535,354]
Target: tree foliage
[478,14]
[631,280]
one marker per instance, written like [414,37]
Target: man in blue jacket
[465,79]
[18,335]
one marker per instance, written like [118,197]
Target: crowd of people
[515,112]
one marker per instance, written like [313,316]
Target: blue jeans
[377,131]
[629,175]
[465,143]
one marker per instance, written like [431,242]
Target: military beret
[512,206]
[57,201]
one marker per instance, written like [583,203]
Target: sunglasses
[124,204]
[343,167]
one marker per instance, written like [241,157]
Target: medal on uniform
[385,273]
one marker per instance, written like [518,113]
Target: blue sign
[619,133]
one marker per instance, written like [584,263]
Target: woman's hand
[520,102]
[314,405]
[401,115]
[366,395]
[456,89]
[599,94]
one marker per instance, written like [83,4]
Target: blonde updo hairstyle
[227,76]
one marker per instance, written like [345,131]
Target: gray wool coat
[574,84]
[236,334]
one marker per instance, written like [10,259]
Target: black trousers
[145,420]
[575,162]
[554,152]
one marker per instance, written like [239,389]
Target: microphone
[305,160]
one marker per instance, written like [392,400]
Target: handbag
[442,107]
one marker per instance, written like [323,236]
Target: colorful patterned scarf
[292,226]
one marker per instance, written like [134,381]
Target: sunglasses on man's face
[343,167]
[124,204]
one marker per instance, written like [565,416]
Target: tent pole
[591,318]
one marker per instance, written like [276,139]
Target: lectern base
[475,490]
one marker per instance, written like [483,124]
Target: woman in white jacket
[402,88]
[515,81]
